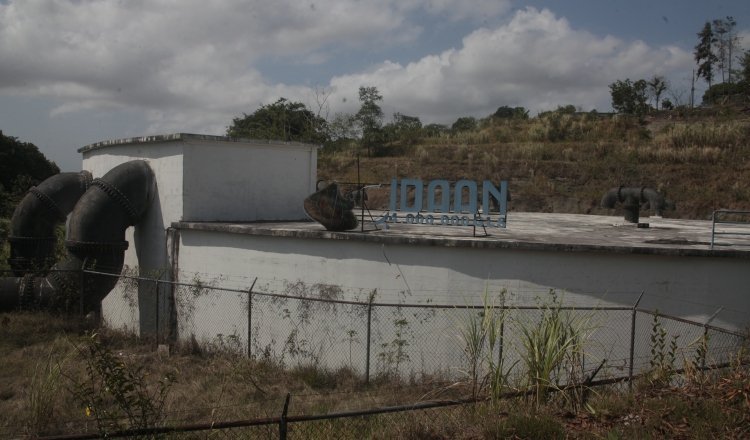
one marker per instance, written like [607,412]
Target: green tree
[370,117]
[629,97]
[464,123]
[283,120]
[725,40]
[657,86]
[435,130]
[21,166]
[407,129]
[704,54]
[744,72]
[506,112]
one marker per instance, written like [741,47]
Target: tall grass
[557,341]
[723,135]
[47,382]
[483,338]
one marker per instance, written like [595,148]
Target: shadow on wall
[674,285]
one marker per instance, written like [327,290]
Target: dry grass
[42,365]
[564,163]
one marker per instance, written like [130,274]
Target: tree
[725,40]
[464,123]
[506,112]
[404,128]
[283,120]
[435,130]
[22,165]
[657,86]
[744,72]
[629,97]
[370,117]
[704,54]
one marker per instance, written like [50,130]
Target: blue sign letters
[445,204]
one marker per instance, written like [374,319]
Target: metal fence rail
[716,219]
[316,326]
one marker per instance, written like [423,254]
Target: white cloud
[535,60]
[193,65]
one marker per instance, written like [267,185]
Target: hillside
[562,162]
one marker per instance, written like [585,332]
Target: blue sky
[73,72]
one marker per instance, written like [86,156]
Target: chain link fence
[320,326]
[314,325]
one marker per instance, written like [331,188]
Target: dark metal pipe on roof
[95,239]
[632,199]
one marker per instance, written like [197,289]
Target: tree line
[22,165]
[716,56]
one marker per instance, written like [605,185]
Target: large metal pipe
[633,198]
[95,240]
[32,227]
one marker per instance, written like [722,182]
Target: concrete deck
[530,231]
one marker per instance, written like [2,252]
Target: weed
[531,426]
[547,347]
[394,353]
[46,384]
[483,336]
[662,357]
[113,393]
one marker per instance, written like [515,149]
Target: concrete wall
[684,286]
[200,178]
[147,250]
[438,275]
[234,181]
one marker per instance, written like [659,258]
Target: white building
[229,211]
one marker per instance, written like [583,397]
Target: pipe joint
[120,198]
[49,204]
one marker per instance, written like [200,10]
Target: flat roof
[526,231]
[185,137]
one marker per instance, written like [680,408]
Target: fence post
[82,289]
[282,419]
[369,331]
[632,341]
[705,337]
[156,293]
[502,335]
[250,318]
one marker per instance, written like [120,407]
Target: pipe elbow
[114,202]
[610,198]
[32,226]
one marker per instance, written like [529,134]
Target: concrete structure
[229,211]
[205,178]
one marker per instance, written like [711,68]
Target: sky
[75,72]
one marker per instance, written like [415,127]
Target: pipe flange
[96,246]
[26,292]
[119,197]
[85,178]
[16,239]
[48,203]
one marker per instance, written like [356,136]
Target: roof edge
[186,137]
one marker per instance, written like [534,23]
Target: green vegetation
[84,382]
[283,120]
[22,165]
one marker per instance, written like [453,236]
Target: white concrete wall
[236,181]
[682,286]
[685,286]
[200,178]
[147,253]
